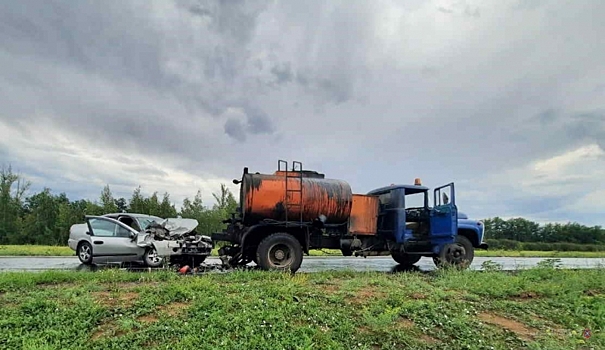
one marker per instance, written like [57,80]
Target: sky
[505,98]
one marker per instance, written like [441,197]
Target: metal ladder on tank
[293,192]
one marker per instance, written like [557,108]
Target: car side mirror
[88,233]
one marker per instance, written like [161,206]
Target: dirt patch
[173,309]
[107,329]
[109,299]
[526,296]
[428,339]
[592,293]
[330,288]
[147,318]
[405,323]
[522,331]
[362,295]
[418,296]
[60,285]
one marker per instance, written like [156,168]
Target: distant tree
[41,219]
[121,204]
[137,202]
[167,210]
[153,205]
[12,189]
[192,210]
[107,201]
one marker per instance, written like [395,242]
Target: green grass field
[35,250]
[542,308]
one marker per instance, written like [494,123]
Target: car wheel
[84,252]
[151,258]
[279,251]
[459,254]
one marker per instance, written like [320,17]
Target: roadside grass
[35,250]
[540,308]
[41,250]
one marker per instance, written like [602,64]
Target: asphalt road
[310,264]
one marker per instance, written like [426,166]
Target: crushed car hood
[179,226]
[170,229]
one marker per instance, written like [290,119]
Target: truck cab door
[444,215]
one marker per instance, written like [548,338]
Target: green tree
[12,190]
[167,210]
[39,223]
[107,201]
[153,205]
[192,210]
[121,204]
[137,202]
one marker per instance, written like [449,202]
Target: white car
[129,237]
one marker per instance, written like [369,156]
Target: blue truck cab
[414,229]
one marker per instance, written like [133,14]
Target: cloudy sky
[504,97]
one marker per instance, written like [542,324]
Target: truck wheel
[459,254]
[84,252]
[405,259]
[279,251]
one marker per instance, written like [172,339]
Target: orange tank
[364,215]
[264,196]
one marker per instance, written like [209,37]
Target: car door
[112,241]
[444,215]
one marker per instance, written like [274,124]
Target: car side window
[122,232]
[103,228]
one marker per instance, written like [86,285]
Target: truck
[284,215]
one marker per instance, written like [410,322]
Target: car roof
[136,215]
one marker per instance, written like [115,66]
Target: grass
[542,308]
[35,250]
[40,250]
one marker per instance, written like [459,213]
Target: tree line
[523,234]
[45,218]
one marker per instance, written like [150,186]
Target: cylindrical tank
[263,196]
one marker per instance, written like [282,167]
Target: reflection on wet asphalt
[310,264]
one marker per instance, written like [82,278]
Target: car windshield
[145,221]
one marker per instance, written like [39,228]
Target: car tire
[151,258]
[459,254]
[279,251]
[84,252]
[405,259]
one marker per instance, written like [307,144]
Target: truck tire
[279,251]
[459,254]
[405,259]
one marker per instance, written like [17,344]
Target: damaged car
[128,237]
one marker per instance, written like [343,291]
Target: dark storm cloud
[369,92]
[283,72]
[235,129]
[256,122]
[124,52]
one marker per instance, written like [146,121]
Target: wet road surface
[311,264]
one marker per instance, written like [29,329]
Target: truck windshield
[415,200]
